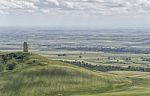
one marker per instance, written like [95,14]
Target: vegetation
[25,74]
[105,68]
[110,61]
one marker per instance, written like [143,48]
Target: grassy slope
[52,78]
[140,86]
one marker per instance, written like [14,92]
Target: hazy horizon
[75,13]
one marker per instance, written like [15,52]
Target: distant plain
[105,47]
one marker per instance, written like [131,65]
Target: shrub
[10,66]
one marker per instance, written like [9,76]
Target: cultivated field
[101,58]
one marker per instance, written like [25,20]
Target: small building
[25,47]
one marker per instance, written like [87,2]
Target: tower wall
[25,47]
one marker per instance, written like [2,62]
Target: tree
[4,59]
[10,66]
[80,56]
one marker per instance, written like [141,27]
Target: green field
[34,75]
[101,58]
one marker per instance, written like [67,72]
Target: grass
[140,85]
[100,58]
[45,77]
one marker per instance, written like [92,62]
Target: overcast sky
[75,13]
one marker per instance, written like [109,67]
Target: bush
[10,66]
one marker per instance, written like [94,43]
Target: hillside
[24,74]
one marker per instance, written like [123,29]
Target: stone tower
[25,47]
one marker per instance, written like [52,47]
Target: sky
[75,13]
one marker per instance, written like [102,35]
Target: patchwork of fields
[101,58]
[106,40]
[24,74]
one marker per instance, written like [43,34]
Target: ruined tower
[25,47]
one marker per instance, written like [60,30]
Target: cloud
[17,4]
[103,7]
[45,10]
[56,2]
[3,12]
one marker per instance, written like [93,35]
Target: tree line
[105,68]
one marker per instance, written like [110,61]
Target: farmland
[123,60]
[102,62]
[51,39]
